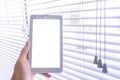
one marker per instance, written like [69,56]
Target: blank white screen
[46,43]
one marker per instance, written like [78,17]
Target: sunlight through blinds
[91,28]
[12,35]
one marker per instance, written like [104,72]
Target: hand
[22,70]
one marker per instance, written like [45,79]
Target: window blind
[91,28]
[12,35]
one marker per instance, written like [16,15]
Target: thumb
[25,50]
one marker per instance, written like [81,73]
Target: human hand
[22,70]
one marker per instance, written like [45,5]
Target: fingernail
[27,44]
[47,75]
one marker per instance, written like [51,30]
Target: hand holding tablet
[46,43]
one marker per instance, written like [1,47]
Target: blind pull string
[104,69]
[7,11]
[96,54]
[100,61]
[26,20]
[82,28]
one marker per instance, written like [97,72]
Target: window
[91,28]
[12,35]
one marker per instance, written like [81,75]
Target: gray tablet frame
[45,70]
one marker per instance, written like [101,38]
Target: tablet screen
[46,43]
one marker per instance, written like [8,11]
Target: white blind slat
[84,35]
[12,35]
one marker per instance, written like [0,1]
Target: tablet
[46,43]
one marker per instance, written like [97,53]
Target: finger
[25,50]
[28,56]
[46,75]
[33,75]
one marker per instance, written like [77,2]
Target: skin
[22,69]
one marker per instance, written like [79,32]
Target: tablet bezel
[44,70]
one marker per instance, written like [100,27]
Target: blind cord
[104,70]
[96,54]
[7,12]
[104,31]
[82,27]
[26,20]
[100,61]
